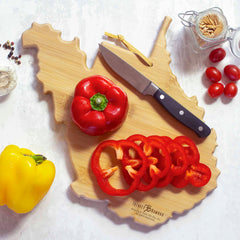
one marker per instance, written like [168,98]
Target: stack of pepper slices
[148,162]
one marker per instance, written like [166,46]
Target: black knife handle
[182,114]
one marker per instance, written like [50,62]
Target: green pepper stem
[98,102]
[38,158]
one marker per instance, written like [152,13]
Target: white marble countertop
[27,119]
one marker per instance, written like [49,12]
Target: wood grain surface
[62,65]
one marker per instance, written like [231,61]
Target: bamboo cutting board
[62,65]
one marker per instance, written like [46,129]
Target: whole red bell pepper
[98,105]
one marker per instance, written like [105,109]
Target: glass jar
[210,28]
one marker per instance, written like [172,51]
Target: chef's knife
[146,87]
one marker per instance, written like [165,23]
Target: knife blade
[147,87]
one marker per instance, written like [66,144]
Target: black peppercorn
[10,54]
[10,46]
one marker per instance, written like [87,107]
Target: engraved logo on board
[146,210]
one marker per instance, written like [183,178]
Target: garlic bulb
[7,80]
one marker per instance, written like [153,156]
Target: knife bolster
[151,89]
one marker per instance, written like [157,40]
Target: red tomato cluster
[232,72]
[154,161]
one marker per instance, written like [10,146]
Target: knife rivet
[200,128]
[162,96]
[181,112]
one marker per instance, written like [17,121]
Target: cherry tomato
[213,74]
[215,90]
[217,55]
[230,90]
[232,72]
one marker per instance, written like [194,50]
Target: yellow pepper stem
[38,158]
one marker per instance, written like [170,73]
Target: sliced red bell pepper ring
[165,181]
[103,175]
[190,148]
[142,142]
[159,157]
[159,162]
[161,139]
[180,181]
[179,158]
[198,174]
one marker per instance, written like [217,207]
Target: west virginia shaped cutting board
[62,65]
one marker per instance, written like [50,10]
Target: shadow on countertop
[9,220]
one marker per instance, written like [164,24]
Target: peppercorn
[10,54]
[10,46]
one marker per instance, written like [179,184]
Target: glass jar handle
[233,36]
[230,33]
[185,21]
[217,9]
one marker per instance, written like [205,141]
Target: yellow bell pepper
[25,178]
